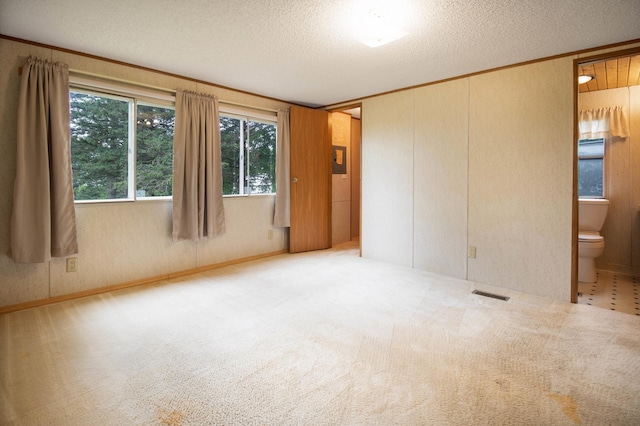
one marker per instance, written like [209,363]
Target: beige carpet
[323,338]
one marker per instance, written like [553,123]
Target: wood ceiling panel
[611,74]
[601,75]
[593,84]
[623,72]
[634,71]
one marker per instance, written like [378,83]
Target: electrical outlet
[72,264]
[472,252]
[270,234]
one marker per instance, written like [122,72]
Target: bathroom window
[591,168]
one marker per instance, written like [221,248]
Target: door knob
[294,180]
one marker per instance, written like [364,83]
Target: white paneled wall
[440,178]
[484,161]
[387,178]
[521,178]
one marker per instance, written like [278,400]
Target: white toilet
[591,215]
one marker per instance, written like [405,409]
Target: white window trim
[248,113]
[157,97]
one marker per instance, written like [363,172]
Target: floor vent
[493,296]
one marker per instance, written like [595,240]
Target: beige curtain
[197,170]
[603,123]
[43,224]
[282,216]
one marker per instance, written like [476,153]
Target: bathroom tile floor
[612,290]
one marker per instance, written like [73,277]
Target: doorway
[346,175]
[614,84]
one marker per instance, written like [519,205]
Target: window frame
[134,96]
[248,115]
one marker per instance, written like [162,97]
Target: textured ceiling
[304,51]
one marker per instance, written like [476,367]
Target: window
[248,148]
[106,131]
[591,168]
[154,151]
[122,144]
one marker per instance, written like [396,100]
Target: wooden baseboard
[621,269]
[92,292]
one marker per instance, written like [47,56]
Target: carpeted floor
[322,338]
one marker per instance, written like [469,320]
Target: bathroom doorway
[614,84]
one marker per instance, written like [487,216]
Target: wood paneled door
[310,180]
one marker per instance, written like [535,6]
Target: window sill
[109,201]
[160,199]
[272,194]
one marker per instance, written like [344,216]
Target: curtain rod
[158,88]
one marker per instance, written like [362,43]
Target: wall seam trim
[468,174]
[413,185]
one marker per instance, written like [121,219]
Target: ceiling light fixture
[582,79]
[377,30]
